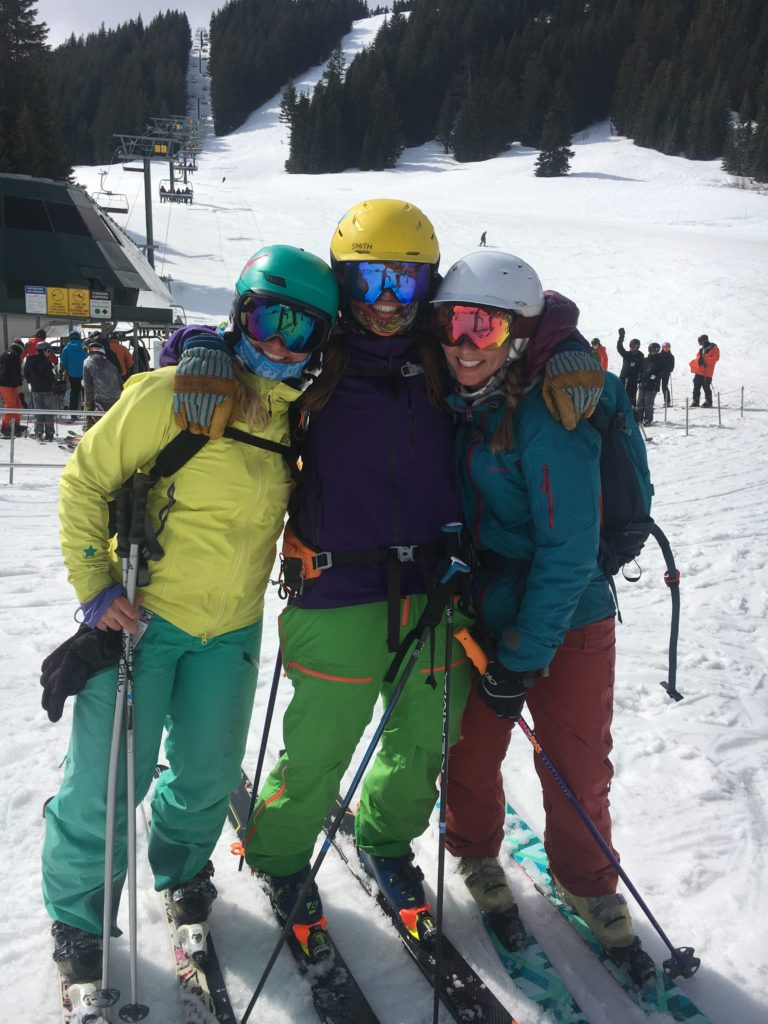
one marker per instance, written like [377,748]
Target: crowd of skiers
[87,374]
[417,403]
[645,376]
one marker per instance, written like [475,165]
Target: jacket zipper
[546,487]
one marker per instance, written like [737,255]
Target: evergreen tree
[554,160]
[30,142]
[381,145]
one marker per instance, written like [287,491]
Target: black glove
[702,361]
[621,334]
[67,669]
[503,690]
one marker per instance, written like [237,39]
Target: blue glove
[204,387]
[503,690]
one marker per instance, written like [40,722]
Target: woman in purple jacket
[377,486]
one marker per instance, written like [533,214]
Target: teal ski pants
[202,692]
[337,659]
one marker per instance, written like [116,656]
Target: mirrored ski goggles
[483,328]
[408,282]
[261,317]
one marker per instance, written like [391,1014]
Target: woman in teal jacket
[529,474]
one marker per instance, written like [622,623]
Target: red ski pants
[571,710]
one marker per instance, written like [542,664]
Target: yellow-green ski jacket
[227,513]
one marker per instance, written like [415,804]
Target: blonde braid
[249,402]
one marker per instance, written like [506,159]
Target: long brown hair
[514,388]
[336,360]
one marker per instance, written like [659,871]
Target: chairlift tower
[175,139]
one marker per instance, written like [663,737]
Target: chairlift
[110,202]
[178,315]
[183,194]
[131,167]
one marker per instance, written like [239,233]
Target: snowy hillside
[658,245]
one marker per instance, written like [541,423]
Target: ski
[463,993]
[337,997]
[203,991]
[664,997]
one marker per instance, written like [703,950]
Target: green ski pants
[202,693]
[337,659]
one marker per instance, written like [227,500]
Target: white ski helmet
[496,279]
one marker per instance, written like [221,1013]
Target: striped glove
[572,387]
[204,387]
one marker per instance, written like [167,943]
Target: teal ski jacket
[534,514]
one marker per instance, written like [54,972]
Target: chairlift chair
[109,202]
[181,193]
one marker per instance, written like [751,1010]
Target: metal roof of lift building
[56,242]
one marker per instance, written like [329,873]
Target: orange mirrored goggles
[483,328]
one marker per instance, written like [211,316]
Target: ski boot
[309,925]
[190,905]
[485,879]
[610,922]
[76,953]
[399,882]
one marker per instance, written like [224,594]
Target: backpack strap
[672,579]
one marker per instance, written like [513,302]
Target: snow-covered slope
[658,245]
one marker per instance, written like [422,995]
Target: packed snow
[664,247]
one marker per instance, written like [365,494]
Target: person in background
[482,238]
[703,369]
[650,382]
[12,388]
[631,365]
[31,346]
[196,665]
[666,366]
[529,475]
[600,353]
[122,353]
[72,360]
[101,382]
[40,375]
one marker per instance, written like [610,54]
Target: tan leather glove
[572,387]
[204,389]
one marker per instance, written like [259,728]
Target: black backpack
[626,492]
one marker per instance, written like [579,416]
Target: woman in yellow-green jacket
[196,662]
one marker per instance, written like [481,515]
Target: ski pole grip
[142,484]
[122,512]
[473,650]
[456,566]
[452,532]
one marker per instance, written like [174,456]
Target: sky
[84,16]
[666,248]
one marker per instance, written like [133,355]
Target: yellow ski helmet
[387,230]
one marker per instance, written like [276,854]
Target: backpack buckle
[404,553]
[411,369]
[322,560]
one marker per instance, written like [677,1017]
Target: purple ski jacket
[378,470]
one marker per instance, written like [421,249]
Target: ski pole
[453,534]
[682,962]
[263,748]
[142,483]
[107,996]
[428,620]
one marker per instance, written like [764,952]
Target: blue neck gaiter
[257,363]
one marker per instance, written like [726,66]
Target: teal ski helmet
[293,277]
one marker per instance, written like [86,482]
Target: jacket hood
[558,322]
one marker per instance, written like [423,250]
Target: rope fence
[27,414]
